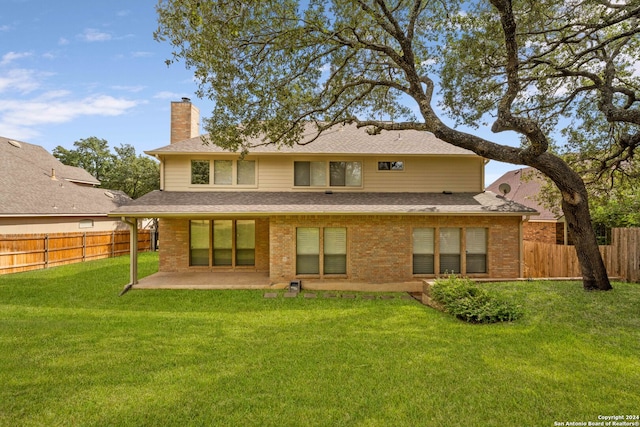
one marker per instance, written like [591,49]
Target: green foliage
[124,171]
[465,300]
[91,154]
[135,175]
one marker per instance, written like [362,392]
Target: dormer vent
[14,143]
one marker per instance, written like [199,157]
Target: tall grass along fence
[23,252]
[621,257]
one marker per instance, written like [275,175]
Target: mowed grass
[72,352]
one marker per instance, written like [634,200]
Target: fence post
[46,251]
[84,246]
[113,243]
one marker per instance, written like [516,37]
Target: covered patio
[260,280]
[206,280]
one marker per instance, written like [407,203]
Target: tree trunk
[574,193]
[575,206]
[578,220]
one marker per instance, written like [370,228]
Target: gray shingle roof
[346,139]
[184,203]
[27,189]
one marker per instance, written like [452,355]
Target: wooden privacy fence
[22,252]
[621,257]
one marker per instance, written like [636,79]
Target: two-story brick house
[348,207]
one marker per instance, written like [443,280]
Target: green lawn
[72,352]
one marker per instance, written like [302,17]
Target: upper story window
[391,166]
[314,174]
[200,171]
[246,172]
[225,172]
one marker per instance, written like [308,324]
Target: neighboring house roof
[182,203]
[27,187]
[525,185]
[347,139]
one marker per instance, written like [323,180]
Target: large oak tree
[273,65]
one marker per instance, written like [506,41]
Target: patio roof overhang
[201,204]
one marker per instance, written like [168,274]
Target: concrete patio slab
[206,280]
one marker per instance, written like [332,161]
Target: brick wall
[543,232]
[379,248]
[173,243]
[185,121]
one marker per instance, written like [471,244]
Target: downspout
[133,253]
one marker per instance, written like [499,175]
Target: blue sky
[72,69]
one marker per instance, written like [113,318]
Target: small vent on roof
[14,143]
[109,194]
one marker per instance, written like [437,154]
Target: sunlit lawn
[72,352]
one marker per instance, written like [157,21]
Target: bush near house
[465,300]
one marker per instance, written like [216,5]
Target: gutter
[210,214]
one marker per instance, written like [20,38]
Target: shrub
[465,300]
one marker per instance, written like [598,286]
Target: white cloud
[19,80]
[4,28]
[20,118]
[141,54]
[9,57]
[62,41]
[132,89]
[168,95]
[93,35]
